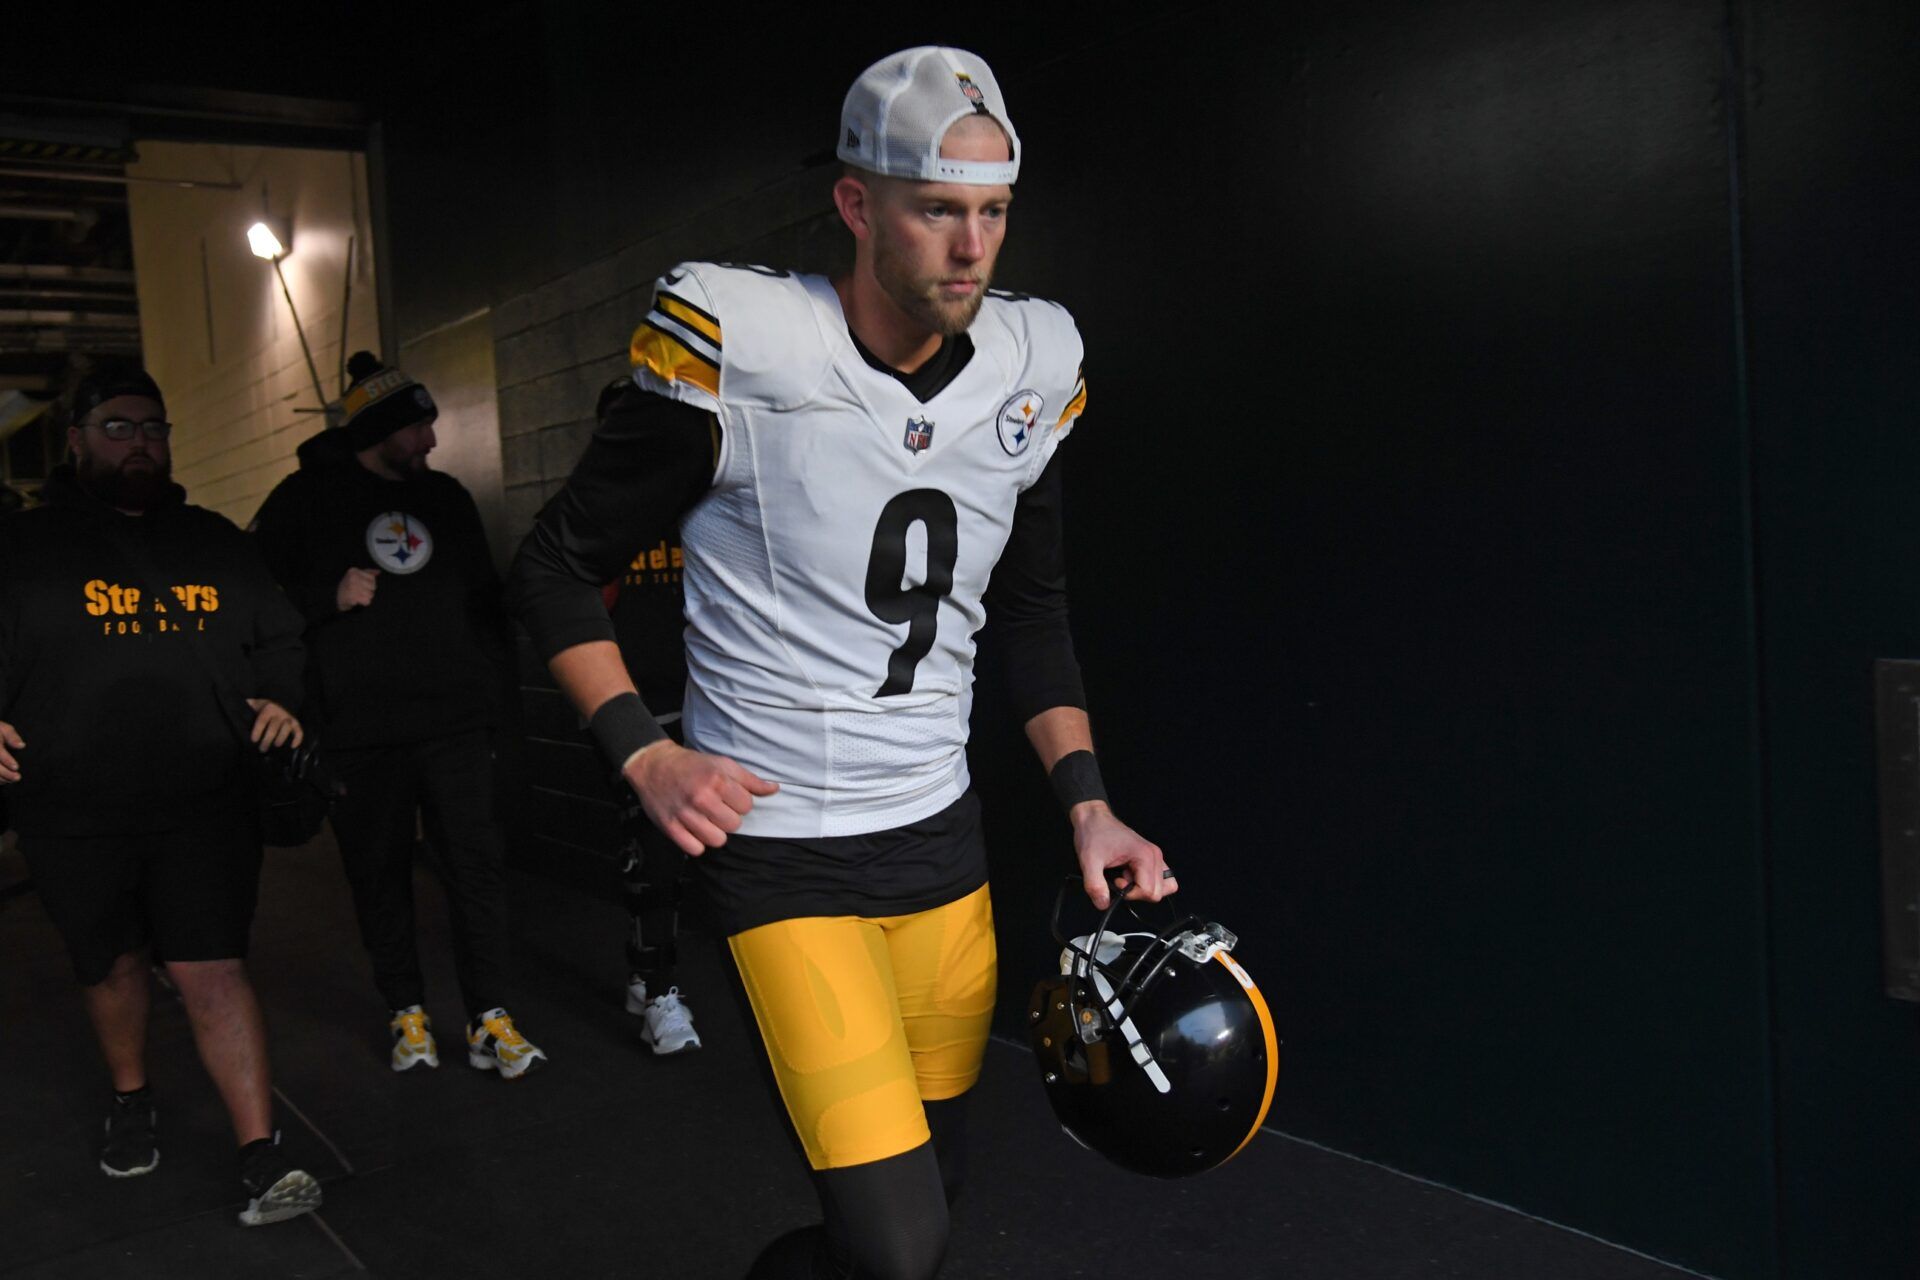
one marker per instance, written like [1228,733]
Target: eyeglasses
[123,429]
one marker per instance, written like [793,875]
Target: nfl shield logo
[919,434]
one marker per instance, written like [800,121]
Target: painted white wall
[214,323]
[455,363]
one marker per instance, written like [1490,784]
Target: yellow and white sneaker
[494,1044]
[413,1039]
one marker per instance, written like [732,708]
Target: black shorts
[756,880]
[188,892]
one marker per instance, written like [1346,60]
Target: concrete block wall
[555,347]
[214,323]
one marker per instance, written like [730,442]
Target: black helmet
[1156,1049]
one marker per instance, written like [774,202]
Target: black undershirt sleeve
[1027,604]
[649,461]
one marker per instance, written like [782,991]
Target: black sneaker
[130,1149]
[278,1190]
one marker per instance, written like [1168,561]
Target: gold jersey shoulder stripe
[1076,405]
[689,315]
[671,359]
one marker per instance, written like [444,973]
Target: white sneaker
[637,997]
[669,1025]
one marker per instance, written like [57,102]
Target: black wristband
[1076,778]
[622,726]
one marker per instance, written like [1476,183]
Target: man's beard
[402,461]
[135,489]
[920,298]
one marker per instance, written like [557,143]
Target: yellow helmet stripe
[1273,1045]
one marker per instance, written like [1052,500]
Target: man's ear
[855,202]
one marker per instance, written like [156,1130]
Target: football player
[850,463]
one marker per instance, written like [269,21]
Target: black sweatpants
[452,778]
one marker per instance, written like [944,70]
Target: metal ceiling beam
[123,179]
[59,271]
[17,318]
[186,114]
[38,213]
[45,342]
[60,348]
[102,199]
[71,295]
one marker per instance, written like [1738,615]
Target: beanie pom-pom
[362,365]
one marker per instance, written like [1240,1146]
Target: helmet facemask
[1155,1047]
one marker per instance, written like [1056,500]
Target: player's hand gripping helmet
[1156,1049]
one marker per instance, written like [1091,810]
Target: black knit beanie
[380,401]
[104,382]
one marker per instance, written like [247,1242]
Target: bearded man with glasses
[128,783]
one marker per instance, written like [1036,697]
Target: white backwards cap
[902,106]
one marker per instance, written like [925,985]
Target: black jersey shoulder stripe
[697,344]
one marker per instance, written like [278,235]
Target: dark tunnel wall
[1412,536]
[543,136]
[1409,559]
[1833,182]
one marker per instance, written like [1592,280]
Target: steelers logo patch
[399,543]
[1017,421]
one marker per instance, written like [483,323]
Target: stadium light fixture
[268,238]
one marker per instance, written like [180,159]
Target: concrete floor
[613,1162]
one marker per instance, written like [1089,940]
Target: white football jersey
[834,572]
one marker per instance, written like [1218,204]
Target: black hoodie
[427,657]
[123,728]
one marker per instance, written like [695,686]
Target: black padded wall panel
[1832,180]
[1408,549]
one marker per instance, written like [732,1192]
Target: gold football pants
[863,1017]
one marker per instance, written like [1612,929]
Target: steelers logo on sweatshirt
[399,543]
